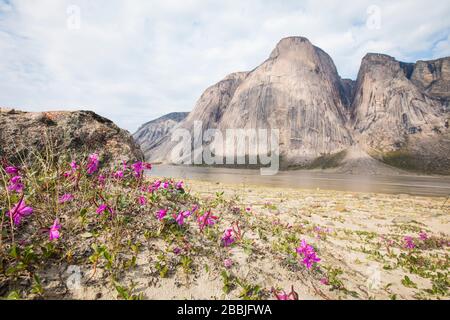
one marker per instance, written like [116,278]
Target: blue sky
[135,60]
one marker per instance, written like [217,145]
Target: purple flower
[282,295]
[177,251]
[165,185]
[228,237]
[308,253]
[179,185]
[15,184]
[19,211]
[66,198]
[102,208]
[118,175]
[181,216]
[101,179]
[138,168]
[423,236]
[73,169]
[156,185]
[206,220]
[142,200]
[228,263]
[12,171]
[324,281]
[409,243]
[147,166]
[161,214]
[93,162]
[54,230]
[74,166]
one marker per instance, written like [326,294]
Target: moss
[401,159]
[327,161]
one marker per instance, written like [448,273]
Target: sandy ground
[358,237]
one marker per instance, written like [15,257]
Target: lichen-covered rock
[80,132]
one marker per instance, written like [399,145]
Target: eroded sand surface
[358,237]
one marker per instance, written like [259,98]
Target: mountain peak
[377,57]
[291,44]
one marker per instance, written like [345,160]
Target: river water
[395,184]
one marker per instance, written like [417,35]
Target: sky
[133,61]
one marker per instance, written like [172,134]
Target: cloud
[132,61]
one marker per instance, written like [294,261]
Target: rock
[208,110]
[78,132]
[402,220]
[340,208]
[297,90]
[433,77]
[398,117]
[151,132]
[395,113]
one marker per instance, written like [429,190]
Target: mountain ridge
[392,107]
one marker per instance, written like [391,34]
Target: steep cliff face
[433,78]
[348,88]
[398,110]
[151,132]
[78,132]
[297,91]
[208,110]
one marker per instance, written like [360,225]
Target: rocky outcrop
[395,112]
[433,78]
[296,90]
[348,87]
[79,132]
[151,132]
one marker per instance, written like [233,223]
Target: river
[395,184]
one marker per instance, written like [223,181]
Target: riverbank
[106,234]
[421,185]
[360,238]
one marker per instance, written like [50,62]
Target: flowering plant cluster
[308,253]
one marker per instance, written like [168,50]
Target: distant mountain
[394,112]
[149,133]
[77,132]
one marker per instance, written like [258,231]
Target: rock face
[399,112]
[149,133]
[79,132]
[433,78]
[297,91]
[395,112]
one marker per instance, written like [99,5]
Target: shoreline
[436,186]
[359,238]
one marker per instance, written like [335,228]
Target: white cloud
[135,60]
